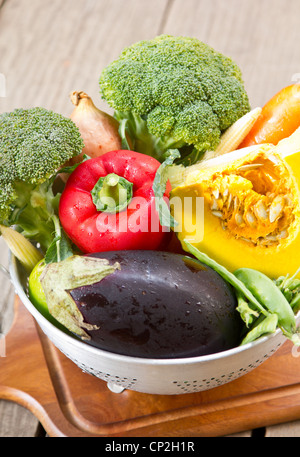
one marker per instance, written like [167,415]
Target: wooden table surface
[49,48]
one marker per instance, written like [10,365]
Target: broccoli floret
[174,92]
[34,144]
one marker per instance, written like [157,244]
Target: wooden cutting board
[71,403]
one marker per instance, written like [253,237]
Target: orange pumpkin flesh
[251,210]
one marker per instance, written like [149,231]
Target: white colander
[154,376]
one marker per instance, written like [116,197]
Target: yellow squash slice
[251,209]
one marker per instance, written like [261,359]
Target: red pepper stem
[112,193]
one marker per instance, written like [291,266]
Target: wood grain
[12,414]
[54,47]
[14,420]
[261,36]
[71,403]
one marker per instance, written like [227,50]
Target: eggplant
[156,305]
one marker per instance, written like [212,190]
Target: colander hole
[185,386]
[107,377]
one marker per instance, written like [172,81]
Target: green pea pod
[269,295]
[246,312]
[294,284]
[295,303]
[265,327]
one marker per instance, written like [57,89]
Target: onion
[98,129]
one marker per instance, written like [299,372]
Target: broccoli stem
[33,213]
[136,128]
[36,229]
[57,226]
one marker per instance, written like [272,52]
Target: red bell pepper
[108,204]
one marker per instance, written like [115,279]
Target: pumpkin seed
[239,219]
[229,200]
[250,166]
[271,238]
[216,193]
[276,208]
[263,241]
[217,214]
[250,219]
[214,205]
[282,234]
[235,202]
[246,239]
[260,211]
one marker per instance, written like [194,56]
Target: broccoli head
[174,92]
[34,144]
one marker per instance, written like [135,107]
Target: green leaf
[60,249]
[290,287]
[71,168]
[159,188]
[60,277]
[51,254]
[123,134]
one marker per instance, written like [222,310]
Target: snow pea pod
[290,287]
[265,326]
[264,296]
[269,295]
[244,308]
[295,303]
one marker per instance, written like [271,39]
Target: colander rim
[19,289]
